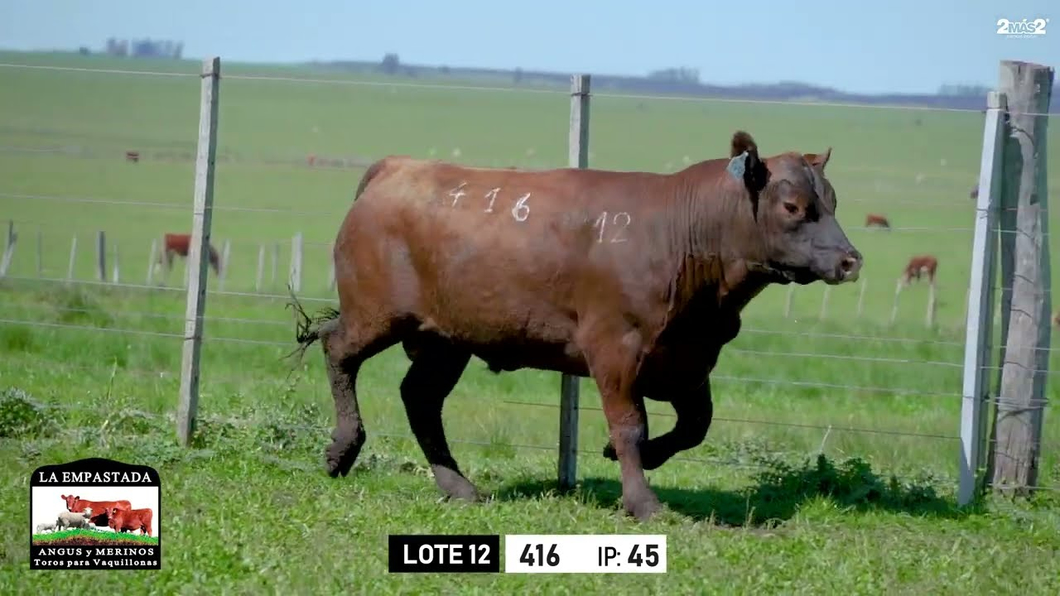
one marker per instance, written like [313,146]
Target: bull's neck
[716,244]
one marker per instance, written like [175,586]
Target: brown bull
[635,279]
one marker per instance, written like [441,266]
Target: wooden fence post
[151,262]
[979,325]
[202,216]
[331,267]
[223,265]
[101,256]
[861,295]
[1025,251]
[967,297]
[295,279]
[40,252]
[824,303]
[261,268]
[115,271]
[578,157]
[275,262]
[9,249]
[73,259]
[932,305]
[894,309]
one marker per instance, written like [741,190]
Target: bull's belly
[665,374]
[559,358]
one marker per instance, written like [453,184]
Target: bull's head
[794,209]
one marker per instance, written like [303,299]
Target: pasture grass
[759,508]
[830,466]
[93,535]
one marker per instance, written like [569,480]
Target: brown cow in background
[634,279]
[917,266]
[180,244]
[873,219]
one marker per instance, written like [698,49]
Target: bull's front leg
[695,410]
[614,371]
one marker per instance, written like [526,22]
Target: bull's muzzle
[849,267]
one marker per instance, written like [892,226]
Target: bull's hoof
[454,485]
[342,453]
[610,453]
[643,508]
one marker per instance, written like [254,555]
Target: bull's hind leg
[343,355]
[436,367]
[695,411]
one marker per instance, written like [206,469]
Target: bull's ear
[749,168]
[756,174]
[742,141]
[819,160]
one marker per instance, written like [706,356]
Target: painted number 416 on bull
[606,553]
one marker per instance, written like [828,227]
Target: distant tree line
[958,89]
[679,81]
[144,48]
[676,75]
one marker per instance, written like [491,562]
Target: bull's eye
[792,208]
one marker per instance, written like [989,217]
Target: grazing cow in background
[917,266]
[873,219]
[130,520]
[180,244]
[77,505]
[635,279]
[133,156]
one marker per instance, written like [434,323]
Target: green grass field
[831,465]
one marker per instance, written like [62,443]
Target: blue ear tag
[736,166]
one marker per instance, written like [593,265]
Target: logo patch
[1022,29]
[95,514]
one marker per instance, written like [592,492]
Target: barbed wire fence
[267,257]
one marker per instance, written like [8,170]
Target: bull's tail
[307,329]
[310,329]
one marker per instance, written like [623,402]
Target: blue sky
[881,46]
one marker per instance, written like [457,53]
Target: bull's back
[483,253]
